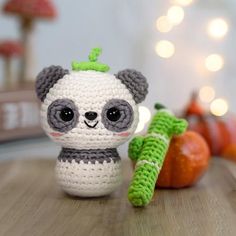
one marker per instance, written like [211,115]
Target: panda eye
[117,115]
[62,115]
[67,114]
[113,114]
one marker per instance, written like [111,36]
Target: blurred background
[181,46]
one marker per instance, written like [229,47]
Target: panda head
[89,108]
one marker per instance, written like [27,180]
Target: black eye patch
[62,115]
[117,115]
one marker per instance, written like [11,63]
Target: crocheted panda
[89,112]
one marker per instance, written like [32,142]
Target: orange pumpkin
[219,132]
[186,161]
[193,107]
[230,152]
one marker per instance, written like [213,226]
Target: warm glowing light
[144,117]
[163,24]
[219,107]
[175,15]
[206,94]
[217,28]
[214,62]
[165,49]
[184,2]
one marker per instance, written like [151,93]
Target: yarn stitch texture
[149,152]
[93,64]
[89,155]
[54,119]
[47,78]
[87,179]
[88,164]
[126,118]
[135,82]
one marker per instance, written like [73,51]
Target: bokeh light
[175,15]
[163,24]
[206,94]
[217,28]
[214,62]
[219,107]
[144,118]
[165,49]
[184,2]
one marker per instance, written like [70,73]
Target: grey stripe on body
[89,155]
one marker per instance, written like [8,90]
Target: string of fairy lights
[216,29]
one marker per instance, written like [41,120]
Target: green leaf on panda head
[92,64]
[94,54]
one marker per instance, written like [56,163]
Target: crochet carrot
[149,152]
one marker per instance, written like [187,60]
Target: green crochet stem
[149,152]
[92,64]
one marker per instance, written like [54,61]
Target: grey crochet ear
[135,82]
[47,78]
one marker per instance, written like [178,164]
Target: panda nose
[91,115]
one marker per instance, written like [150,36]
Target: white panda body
[89,113]
[88,179]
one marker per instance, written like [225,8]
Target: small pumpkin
[230,152]
[194,108]
[186,161]
[219,132]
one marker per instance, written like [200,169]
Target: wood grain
[32,204]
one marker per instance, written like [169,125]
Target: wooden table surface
[32,204]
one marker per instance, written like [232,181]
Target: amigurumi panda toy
[89,112]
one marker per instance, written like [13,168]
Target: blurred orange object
[193,108]
[219,132]
[186,161]
[230,152]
